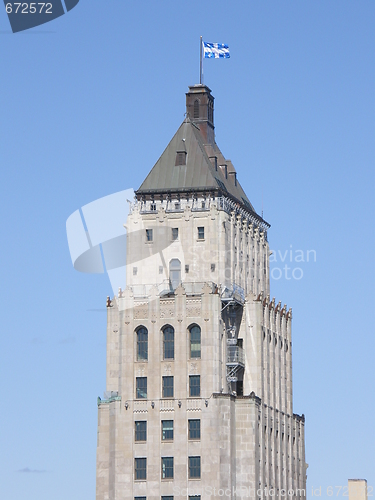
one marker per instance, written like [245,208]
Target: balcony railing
[235,355]
[202,204]
[165,288]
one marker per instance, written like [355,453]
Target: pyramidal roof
[192,162]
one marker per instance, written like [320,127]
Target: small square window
[161,269]
[153,207]
[167,468]
[140,468]
[194,429]
[212,268]
[141,387]
[174,233]
[177,206]
[141,431]
[168,387]
[180,158]
[200,233]
[194,467]
[135,271]
[149,235]
[167,430]
[187,268]
[194,385]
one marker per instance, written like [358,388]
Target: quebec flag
[215,50]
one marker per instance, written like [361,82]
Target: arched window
[168,342]
[196,108]
[195,341]
[174,273]
[142,344]
[211,111]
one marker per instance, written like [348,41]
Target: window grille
[168,342]
[200,233]
[194,429]
[194,385]
[140,467]
[142,344]
[168,387]
[194,467]
[141,431]
[167,430]
[141,387]
[167,468]
[195,342]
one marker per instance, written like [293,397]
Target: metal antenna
[201,61]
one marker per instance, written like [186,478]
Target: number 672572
[28,8]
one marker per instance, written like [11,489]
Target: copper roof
[199,172]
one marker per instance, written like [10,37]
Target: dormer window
[180,158]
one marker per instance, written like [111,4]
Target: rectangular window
[167,468]
[140,468]
[194,385]
[168,387]
[167,430]
[200,233]
[194,497]
[194,467]
[160,269]
[141,388]
[167,498]
[135,271]
[212,268]
[141,431]
[149,236]
[139,498]
[187,268]
[174,233]
[194,429]
[153,207]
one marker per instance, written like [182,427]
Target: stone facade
[196,324]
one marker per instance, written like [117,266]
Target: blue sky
[88,103]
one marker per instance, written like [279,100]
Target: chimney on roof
[200,109]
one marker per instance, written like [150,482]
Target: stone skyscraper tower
[199,361]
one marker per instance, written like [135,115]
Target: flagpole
[201,62]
